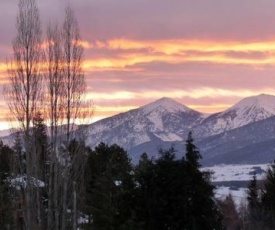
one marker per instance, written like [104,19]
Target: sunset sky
[205,54]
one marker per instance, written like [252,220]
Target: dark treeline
[164,193]
[161,193]
[156,194]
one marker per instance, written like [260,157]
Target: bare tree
[55,80]
[23,93]
[64,106]
[74,77]
[66,91]
[74,85]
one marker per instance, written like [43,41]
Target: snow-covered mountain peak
[165,104]
[260,102]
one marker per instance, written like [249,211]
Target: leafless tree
[74,85]
[74,77]
[24,92]
[65,104]
[66,91]
[55,62]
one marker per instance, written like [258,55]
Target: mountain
[253,143]
[236,135]
[164,119]
[248,110]
[244,133]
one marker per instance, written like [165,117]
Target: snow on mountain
[165,105]
[164,119]
[252,109]
[262,101]
[236,135]
[4,133]
[166,122]
[248,110]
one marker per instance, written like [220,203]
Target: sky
[207,55]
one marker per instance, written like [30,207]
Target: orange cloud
[176,46]
[174,52]
[209,108]
[180,51]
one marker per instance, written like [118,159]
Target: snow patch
[165,104]
[236,172]
[156,120]
[168,137]
[239,195]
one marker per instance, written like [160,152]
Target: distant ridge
[244,133]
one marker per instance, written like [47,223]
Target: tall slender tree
[74,90]
[64,95]
[66,91]
[54,80]
[255,215]
[202,211]
[74,82]
[24,92]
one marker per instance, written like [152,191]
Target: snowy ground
[227,173]
[236,172]
[238,195]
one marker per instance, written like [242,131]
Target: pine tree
[268,198]
[40,145]
[109,189]
[252,193]
[192,153]
[175,194]
[6,199]
[253,198]
[202,211]
[255,211]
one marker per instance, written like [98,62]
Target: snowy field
[227,173]
[236,172]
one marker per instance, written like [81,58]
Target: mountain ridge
[166,122]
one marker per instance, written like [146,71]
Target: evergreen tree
[150,196]
[268,198]
[253,199]
[202,211]
[255,212]
[6,198]
[192,153]
[252,193]
[19,157]
[40,145]
[109,189]
[175,194]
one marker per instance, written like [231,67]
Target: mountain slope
[164,119]
[232,136]
[248,110]
[252,143]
